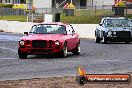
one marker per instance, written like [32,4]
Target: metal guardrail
[10,11]
[35,18]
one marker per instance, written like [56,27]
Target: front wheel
[105,41]
[22,55]
[64,51]
[77,50]
[127,42]
[97,40]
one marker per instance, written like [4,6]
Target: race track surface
[95,58]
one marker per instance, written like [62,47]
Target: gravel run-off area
[56,82]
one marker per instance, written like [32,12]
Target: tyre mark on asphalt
[95,57]
[4,37]
[9,49]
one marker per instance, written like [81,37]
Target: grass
[129,16]
[81,12]
[67,19]
[14,18]
[86,16]
[81,17]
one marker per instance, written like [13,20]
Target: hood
[120,28]
[43,37]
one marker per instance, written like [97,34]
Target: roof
[54,23]
[115,18]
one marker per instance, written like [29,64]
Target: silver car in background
[114,29]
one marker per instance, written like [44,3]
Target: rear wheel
[22,55]
[77,50]
[64,51]
[127,42]
[97,40]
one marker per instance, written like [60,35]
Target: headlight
[21,42]
[27,42]
[109,33]
[57,43]
[114,33]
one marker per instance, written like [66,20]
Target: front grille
[123,34]
[38,51]
[39,44]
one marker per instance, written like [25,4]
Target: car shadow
[117,43]
[50,56]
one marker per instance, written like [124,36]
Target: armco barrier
[84,30]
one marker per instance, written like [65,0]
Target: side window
[103,21]
[69,29]
[73,31]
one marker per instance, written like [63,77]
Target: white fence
[84,30]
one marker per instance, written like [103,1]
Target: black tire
[81,80]
[105,41]
[22,55]
[64,51]
[77,50]
[127,42]
[97,40]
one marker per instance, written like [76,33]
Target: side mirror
[73,31]
[100,24]
[26,33]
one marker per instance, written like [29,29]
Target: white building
[13,1]
[36,3]
[42,3]
[87,3]
[51,3]
[99,2]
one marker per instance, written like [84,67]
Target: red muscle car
[49,38]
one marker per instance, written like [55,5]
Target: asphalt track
[95,58]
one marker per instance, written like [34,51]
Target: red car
[49,38]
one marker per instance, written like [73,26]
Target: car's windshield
[48,29]
[118,23]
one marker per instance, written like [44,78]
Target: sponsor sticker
[83,78]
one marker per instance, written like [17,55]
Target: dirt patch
[56,82]
[1,30]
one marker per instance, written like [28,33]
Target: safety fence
[81,11]
[10,11]
[90,11]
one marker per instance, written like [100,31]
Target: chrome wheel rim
[79,49]
[103,40]
[95,38]
[65,51]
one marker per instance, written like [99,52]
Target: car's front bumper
[119,36]
[32,51]
[119,39]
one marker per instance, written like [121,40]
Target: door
[70,38]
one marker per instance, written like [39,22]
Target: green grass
[86,16]
[14,18]
[129,16]
[68,19]
[82,16]
[93,12]
[80,19]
